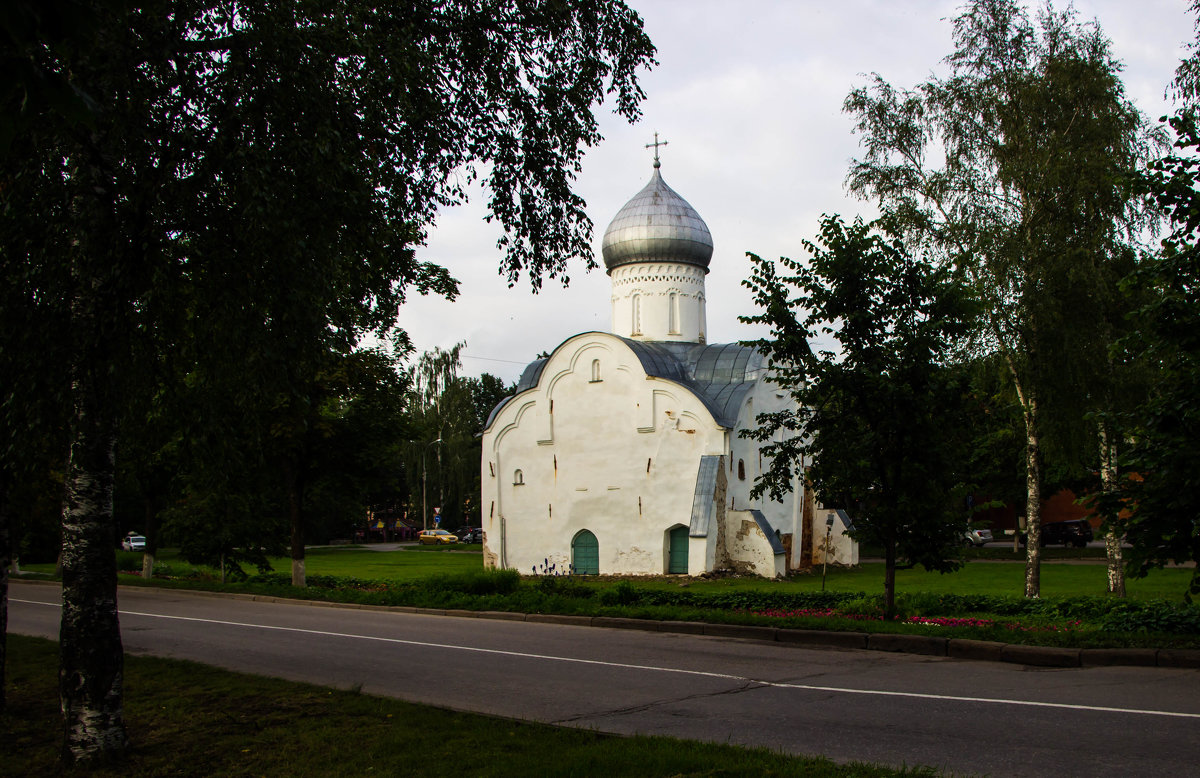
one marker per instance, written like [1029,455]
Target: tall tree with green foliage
[1017,169]
[1186,84]
[878,415]
[1158,508]
[444,452]
[272,168]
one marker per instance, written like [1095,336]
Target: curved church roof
[657,225]
[720,374]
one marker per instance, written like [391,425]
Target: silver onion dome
[657,225]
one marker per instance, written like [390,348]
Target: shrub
[478,582]
[129,562]
[624,593]
[1169,617]
[565,586]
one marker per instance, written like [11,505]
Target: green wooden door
[677,561]
[585,554]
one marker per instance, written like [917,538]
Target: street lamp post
[424,510]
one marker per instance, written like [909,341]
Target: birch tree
[1016,169]
[443,455]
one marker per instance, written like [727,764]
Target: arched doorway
[677,551]
[585,554]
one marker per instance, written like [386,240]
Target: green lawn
[405,564]
[402,565]
[186,719]
[1059,579]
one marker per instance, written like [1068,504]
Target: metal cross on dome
[656,144]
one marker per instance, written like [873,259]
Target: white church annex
[620,453]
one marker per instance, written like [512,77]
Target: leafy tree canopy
[879,417]
[1018,170]
[246,185]
[1157,507]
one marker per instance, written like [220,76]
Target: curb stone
[908,644]
[1179,657]
[985,650]
[823,638]
[685,627]
[620,622]
[1040,656]
[751,631]
[501,615]
[1110,657]
[558,618]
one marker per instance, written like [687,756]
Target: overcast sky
[748,96]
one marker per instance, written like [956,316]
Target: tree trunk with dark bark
[5,561]
[889,579]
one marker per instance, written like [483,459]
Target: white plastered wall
[843,550]
[656,315]
[617,456]
[746,459]
[750,550]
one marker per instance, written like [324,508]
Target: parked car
[1076,532]
[432,537]
[472,536]
[977,537]
[133,543]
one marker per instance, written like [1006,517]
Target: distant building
[620,452]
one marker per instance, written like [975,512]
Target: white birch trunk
[1033,508]
[295,507]
[298,575]
[91,673]
[91,659]
[1112,543]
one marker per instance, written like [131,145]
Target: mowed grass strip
[405,564]
[186,719]
[1059,579]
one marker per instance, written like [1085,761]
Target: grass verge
[980,601]
[186,719]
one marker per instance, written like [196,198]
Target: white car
[134,543]
[977,537]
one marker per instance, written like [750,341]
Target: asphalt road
[965,717]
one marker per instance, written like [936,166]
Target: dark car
[1076,532]
[472,536]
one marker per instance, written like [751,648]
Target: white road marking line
[653,668]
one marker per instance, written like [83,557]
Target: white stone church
[620,453]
